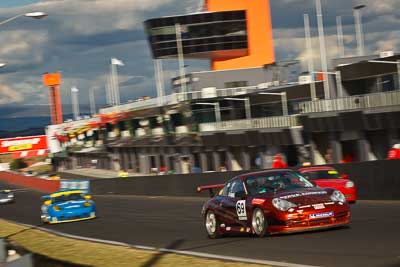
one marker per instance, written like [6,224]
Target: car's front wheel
[212,225]
[259,223]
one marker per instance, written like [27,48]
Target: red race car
[271,202]
[329,177]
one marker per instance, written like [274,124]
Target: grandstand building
[243,111]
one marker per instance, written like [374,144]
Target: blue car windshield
[275,181]
[69,197]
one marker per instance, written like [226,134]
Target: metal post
[217,112]
[157,80]
[339,84]
[161,79]
[285,108]
[116,84]
[112,86]
[340,36]
[182,74]
[92,101]
[310,59]
[359,31]
[108,90]
[324,60]
[398,73]
[247,108]
[75,102]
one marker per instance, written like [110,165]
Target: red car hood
[334,183]
[304,196]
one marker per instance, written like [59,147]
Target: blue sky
[80,36]
[14,3]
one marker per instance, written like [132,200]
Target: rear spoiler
[210,188]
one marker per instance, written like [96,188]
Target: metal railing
[149,103]
[352,102]
[261,123]
[179,97]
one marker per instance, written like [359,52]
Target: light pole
[75,102]
[159,78]
[389,62]
[310,52]
[246,105]
[359,30]
[283,95]
[217,110]
[340,36]
[338,76]
[34,15]
[114,79]
[324,59]
[92,101]
[178,33]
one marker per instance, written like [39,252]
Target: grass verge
[96,254]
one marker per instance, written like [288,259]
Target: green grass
[96,254]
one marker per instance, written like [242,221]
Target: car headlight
[349,184]
[10,196]
[56,208]
[44,208]
[338,196]
[87,204]
[282,205]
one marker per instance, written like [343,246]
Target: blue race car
[67,206]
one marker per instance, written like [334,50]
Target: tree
[18,164]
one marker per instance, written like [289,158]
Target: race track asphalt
[373,238]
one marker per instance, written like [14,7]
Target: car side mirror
[345,176]
[87,197]
[240,194]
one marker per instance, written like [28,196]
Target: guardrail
[268,122]
[351,102]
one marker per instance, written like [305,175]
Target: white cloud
[23,44]
[92,16]
[9,95]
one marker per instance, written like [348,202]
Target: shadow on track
[157,257]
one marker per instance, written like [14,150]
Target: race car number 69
[241,208]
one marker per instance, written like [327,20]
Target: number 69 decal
[241,210]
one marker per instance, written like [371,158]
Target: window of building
[236,84]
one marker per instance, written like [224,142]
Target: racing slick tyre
[212,225]
[259,223]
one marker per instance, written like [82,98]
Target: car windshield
[68,197]
[321,174]
[276,181]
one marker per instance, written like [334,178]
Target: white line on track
[164,250]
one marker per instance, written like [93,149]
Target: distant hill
[20,124]
[27,132]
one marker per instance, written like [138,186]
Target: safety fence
[261,123]
[375,180]
[369,101]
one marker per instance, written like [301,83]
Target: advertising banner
[18,144]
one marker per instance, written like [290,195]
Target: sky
[79,37]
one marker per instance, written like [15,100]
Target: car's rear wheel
[212,225]
[259,223]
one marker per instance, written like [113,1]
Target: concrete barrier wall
[374,180]
[30,182]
